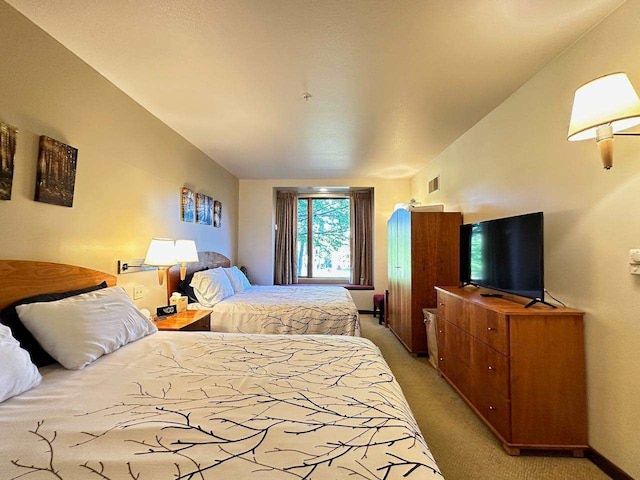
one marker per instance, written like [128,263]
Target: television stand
[534,301]
[490,352]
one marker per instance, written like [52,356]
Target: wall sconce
[161,254]
[185,253]
[603,108]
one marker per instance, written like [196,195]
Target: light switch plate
[138,292]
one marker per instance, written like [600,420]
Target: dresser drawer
[491,366]
[497,410]
[202,325]
[441,326]
[489,327]
[442,305]
[458,344]
[451,309]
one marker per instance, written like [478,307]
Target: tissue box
[182,304]
[179,301]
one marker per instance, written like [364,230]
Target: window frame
[309,278]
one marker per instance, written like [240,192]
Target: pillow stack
[239,281]
[211,286]
[17,373]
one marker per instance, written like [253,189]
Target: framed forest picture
[56,174]
[187,205]
[204,209]
[8,136]
[217,214]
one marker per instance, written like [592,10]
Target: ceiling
[393,82]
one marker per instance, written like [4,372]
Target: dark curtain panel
[361,237]
[286,265]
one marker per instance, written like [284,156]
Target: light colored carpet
[461,444]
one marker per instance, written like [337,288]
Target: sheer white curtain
[286,264]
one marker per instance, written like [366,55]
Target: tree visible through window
[324,238]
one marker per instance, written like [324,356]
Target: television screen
[505,254]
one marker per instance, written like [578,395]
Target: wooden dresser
[521,370]
[423,251]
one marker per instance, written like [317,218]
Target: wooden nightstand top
[197,320]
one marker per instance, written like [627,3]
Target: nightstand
[189,320]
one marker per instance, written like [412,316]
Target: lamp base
[604,137]
[161,275]
[606,152]
[183,271]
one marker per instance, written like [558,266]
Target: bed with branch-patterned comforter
[288,309]
[208,405]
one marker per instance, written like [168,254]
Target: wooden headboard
[207,260]
[23,278]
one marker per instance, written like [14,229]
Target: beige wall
[517,160]
[131,167]
[130,170]
[256,231]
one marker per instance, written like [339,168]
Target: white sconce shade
[610,99]
[161,253]
[186,252]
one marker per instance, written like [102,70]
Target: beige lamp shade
[161,253]
[610,99]
[186,251]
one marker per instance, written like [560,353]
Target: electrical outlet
[138,292]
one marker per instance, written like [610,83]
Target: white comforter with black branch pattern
[205,405]
[293,310]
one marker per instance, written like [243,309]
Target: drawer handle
[491,329]
[441,359]
[492,408]
[491,368]
[440,331]
[441,304]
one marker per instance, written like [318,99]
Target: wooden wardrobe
[423,251]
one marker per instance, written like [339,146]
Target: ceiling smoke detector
[306,96]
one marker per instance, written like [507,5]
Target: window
[324,237]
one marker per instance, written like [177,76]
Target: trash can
[432,339]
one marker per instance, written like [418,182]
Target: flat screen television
[505,254]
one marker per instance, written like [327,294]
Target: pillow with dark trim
[186,289]
[9,317]
[78,330]
[18,374]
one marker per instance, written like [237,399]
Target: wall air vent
[434,184]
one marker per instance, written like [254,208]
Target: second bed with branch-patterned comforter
[207,405]
[288,309]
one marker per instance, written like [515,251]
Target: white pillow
[238,280]
[78,330]
[211,286]
[17,373]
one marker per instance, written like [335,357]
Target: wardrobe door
[404,330]
[392,270]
